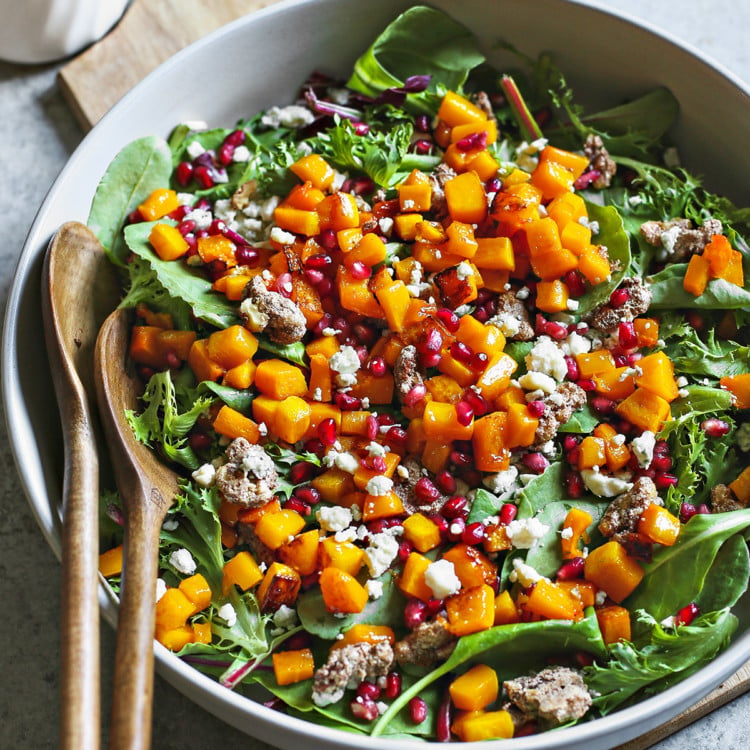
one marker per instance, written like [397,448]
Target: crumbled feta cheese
[668,622]
[682,381]
[333,518]
[195,149]
[170,523]
[241,154]
[567,532]
[524,574]
[317,394]
[403,472]
[603,485]
[201,216]
[464,270]
[524,533]
[345,363]
[374,589]
[281,236]
[228,614]
[348,534]
[376,449]
[291,116]
[502,481]
[381,551]
[537,381]
[600,597]
[257,465]
[509,324]
[183,561]
[346,461]
[643,448]
[572,304]
[285,617]
[441,577]
[523,293]
[161,588]
[546,357]
[379,485]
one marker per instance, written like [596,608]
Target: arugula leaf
[139,168]
[178,281]
[421,41]
[160,423]
[666,657]
[512,650]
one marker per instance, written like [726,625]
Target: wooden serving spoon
[147,488]
[78,287]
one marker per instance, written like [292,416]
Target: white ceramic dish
[276,48]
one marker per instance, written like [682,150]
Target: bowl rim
[644,715]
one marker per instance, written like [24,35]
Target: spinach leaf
[512,650]
[669,293]
[666,657]
[421,41]
[139,168]
[728,576]
[582,421]
[238,400]
[613,236]
[678,574]
[179,282]
[541,490]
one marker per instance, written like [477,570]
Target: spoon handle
[134,654]
[79,679]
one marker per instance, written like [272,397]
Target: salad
[456,376]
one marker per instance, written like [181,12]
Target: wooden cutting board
[149,33]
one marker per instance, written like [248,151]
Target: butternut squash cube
[342,593]
[612,570]
[241,571]
[290,667]
[280,586]
[279,379]
[475,689]
[275,529]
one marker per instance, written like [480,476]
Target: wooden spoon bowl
[147,488]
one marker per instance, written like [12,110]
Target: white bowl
[259,61]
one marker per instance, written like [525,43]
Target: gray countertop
[37,135]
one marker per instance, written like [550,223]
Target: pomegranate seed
[186,227]
[392,685]
[575,283]
[472,142]
[664,480]
[687,511]
[346,402]
[626,335]
[508,512]
[422,146]
[325,287]
[536,408]
[360,270]
[571,569]
[236,137]
[456,529]
[308,495]
[377,367]
[687,614]
[440,522]
[405,548]
[376,464]
[460,352]
[619,297]
[247,255]
[417,710]
[315,446]
[327,431]
[449,319]
[703,509]
[415,613]
[184,173]
[661,448]
[574,372]
[461,459]
[473,533]
[302,471]
[481,314]
[319,261]
[445,482]
[361,128]
[455,507]
[444,719]
[426,491]
[432,342]
[415,395]
[602,405]
[199,441]
[294,503]
[586,179]
[367,689]
[570,442]
[477,402]
[379,525]
[204,177]
[661,463]
[714,427]
[372,427]
[479,362]
[464,413]
[431,359]
[364,709]
[574,486]
[226,153]
[586,384]
[396,435]
[310,581]
[535,462]
[573,454]
[313,276]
